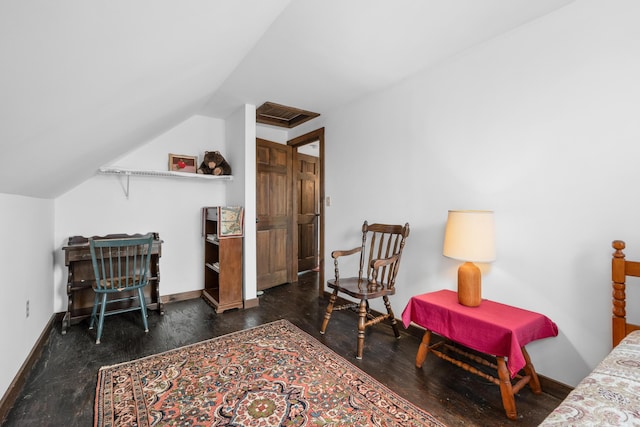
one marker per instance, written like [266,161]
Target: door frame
[307,138]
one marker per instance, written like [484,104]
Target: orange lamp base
[469,285]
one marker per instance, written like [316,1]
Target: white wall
[540,125]
[169,206]
[241,143]
[26,260]
[272,134]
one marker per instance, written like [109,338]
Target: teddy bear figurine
[214,164]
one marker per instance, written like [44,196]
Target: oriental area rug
[271,375]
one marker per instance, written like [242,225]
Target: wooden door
[274,213]
[308,206]
[308,138]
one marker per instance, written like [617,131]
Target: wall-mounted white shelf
[141,172]
[162,174]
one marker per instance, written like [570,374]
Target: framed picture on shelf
[180,163]
[230,221]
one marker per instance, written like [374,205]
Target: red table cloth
[491,328]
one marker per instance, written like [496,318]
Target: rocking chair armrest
[337,254]
[377,263]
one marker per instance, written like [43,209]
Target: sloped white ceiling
[83,82]
[321,54]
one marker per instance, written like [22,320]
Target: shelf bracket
[124,185]
[126,191]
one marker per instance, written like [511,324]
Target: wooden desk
[492,328]
[80,279]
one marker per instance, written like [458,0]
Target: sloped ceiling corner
[84,82]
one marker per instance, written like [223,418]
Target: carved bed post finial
[618,245]
[618,277]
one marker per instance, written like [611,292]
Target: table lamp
[470,237]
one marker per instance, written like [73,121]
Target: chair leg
[143,309]
[103,306]
[362,317]
[327,314]
[96,303]
[394,323]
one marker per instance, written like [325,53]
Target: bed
[610,394]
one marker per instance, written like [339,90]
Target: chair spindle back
[385,241]
[121,264]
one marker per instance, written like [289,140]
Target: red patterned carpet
[271,375]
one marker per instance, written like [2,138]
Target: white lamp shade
[470,236]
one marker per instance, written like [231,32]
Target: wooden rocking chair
[380,255]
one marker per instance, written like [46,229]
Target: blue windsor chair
[121,268]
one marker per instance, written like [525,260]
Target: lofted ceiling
[84,82]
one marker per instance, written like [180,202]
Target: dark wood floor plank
[60,389]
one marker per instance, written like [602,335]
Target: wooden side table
[492,328]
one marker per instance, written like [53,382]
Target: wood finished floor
[60,389]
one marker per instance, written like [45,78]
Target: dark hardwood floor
[60,389]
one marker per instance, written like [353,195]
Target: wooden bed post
[618,276]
